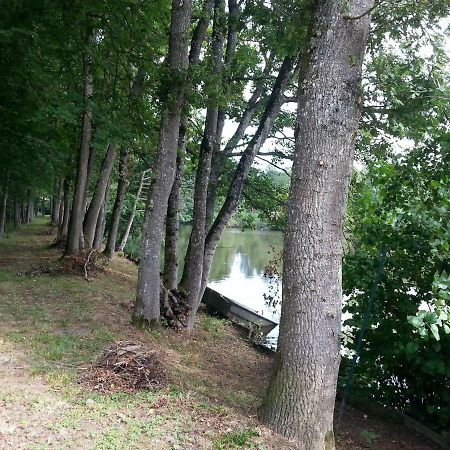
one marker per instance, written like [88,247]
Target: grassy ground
[52,326]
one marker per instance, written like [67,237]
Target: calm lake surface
[238,268]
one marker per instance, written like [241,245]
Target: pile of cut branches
[125,367]
[174,308]
[86,262]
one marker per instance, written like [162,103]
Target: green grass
[58,323]
[214,326]
[236,439]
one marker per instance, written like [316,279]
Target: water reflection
[238,267]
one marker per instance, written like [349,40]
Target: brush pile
[174,308]
[87,262]
[125,367]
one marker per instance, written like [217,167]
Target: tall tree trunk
[56,201]
[78,203]
[190,283]
[16,213]
[64,224]
[216,163]
[61,213]
[170,273]
[127,230]
[110,248]
[3,203]
[101,221]
[147,307]
[30,207]
[91,218]
[118,203]
[237,185]
[300,400]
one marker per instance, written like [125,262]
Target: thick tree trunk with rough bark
[300,400]
[118,204]
[92,214]
[147,307]
[79,202]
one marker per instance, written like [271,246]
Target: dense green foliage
[400,201]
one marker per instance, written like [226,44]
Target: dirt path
[52,326]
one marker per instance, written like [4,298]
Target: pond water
[238,268]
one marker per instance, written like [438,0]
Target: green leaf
[431,318]
[435,331]
[415,321]
[412,347]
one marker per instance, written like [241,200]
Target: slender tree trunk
[3,203]
[237,185]
[190,283]
[118,203]
[101,221]
[91,218]
[147,307]
[64,224]
[29,207]
[216,163]
[300,400]
[110,248]
[170,274]
[127,230]
[61,214]
[56,201]
[78,203]
[16,213]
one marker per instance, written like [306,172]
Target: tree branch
[360,16]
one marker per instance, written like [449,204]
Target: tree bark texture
[190,283]
[92,214]
[78,203]
[170,273]
[147,307]
[64,224]
[118,203]
[56,201]
[300,400]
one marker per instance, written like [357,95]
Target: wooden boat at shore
[258,326]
